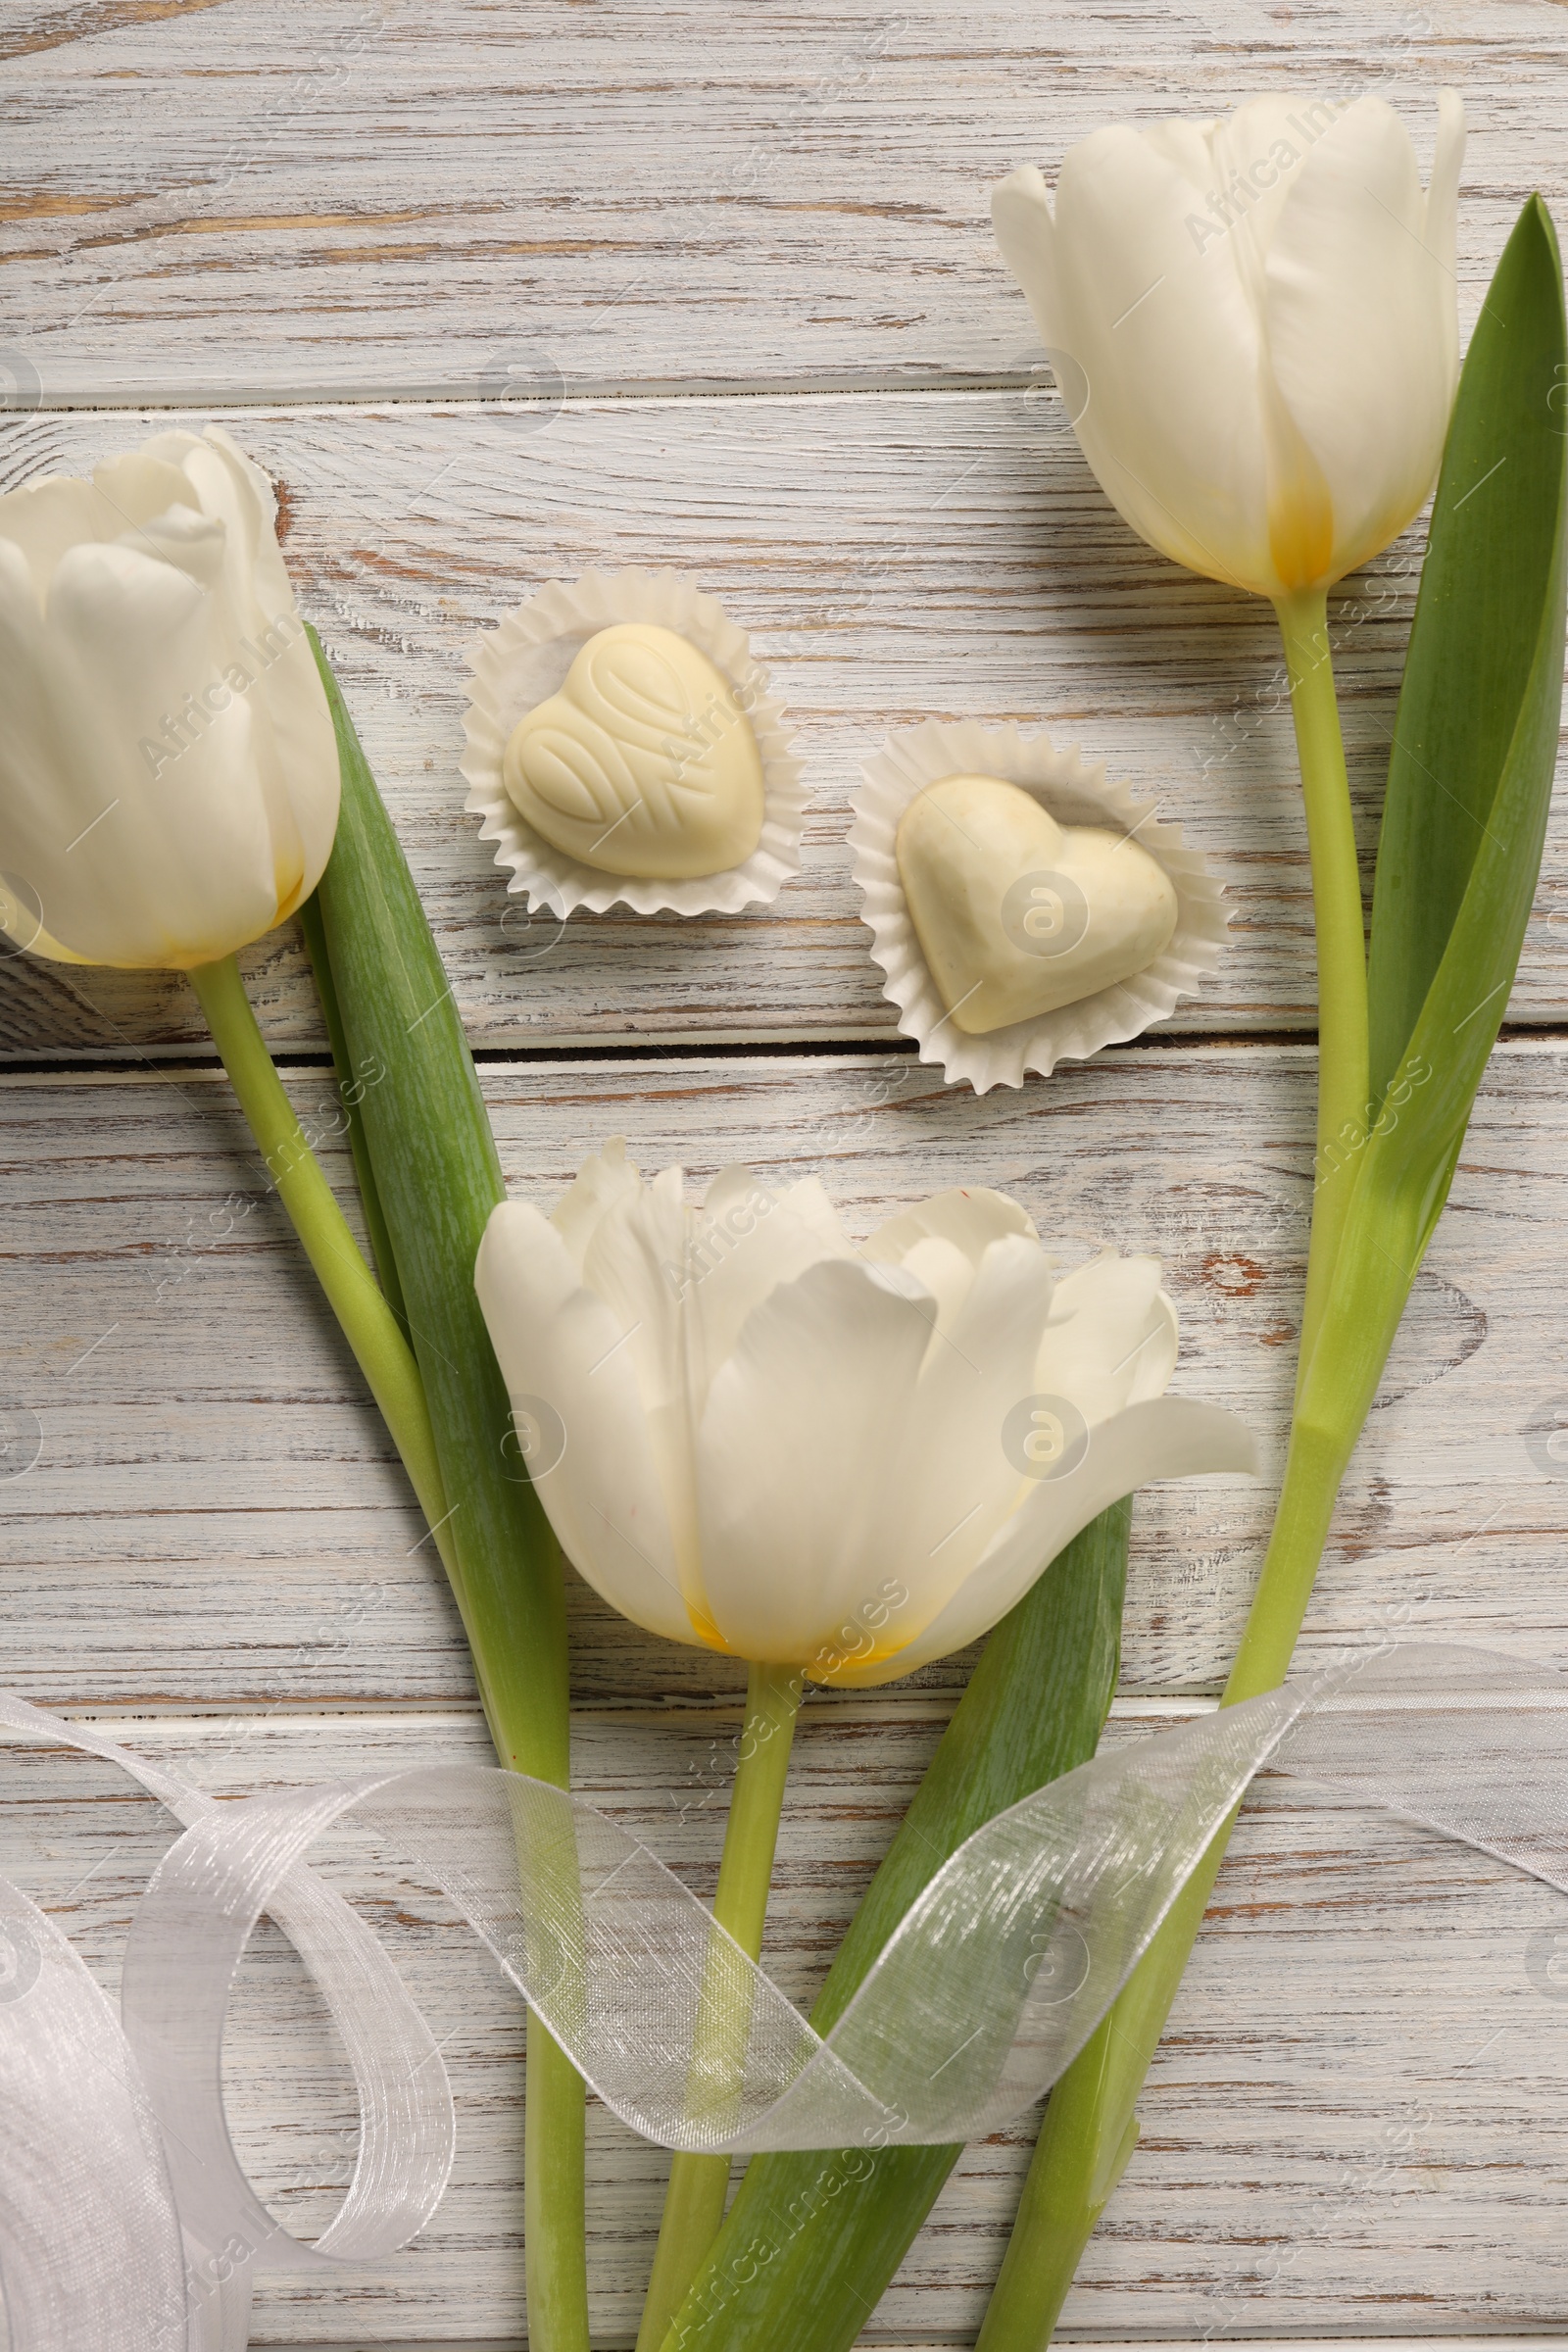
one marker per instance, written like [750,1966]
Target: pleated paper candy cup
[1075,791]
[520,663]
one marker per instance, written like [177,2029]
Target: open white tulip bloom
[748,1432]
[169,776]
[1256,321]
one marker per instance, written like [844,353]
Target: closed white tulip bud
[1253,320]
[168,777]
[748,1432]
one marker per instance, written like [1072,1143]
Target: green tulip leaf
[1469,788]
[433,1177]
[1476,732]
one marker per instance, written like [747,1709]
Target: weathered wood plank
[894,558]
[215,1518]
[226,201]
[1358,2112]
[244,204]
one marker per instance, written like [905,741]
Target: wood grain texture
[894,558]
[214,1517]
[1359,2113]
[365,196]
[451,273]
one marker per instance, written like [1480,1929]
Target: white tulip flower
[169,775]
[750,1434]
[1254,320]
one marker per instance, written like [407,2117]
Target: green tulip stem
[1091,2124]
[693,2202]
[352,1291]
[554,2215]
[1339,922]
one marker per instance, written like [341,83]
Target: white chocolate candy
[643,764]
[1016,915]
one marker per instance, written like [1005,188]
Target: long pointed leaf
[1470,770]
[437,1178]
[1485,641]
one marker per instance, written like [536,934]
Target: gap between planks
[175,1070]
[854,384]
[134,1716]
[172,1069]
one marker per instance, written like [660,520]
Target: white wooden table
[738,262]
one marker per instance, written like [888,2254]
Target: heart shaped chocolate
[1018,914]
[643,764]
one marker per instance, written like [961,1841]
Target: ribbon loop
[989,1987]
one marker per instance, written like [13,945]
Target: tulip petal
[1255,157]
[556,1342]
[230,486]
[30,750]
[193,542]
[605,1178]
[796,1455]
[297,766]
[808,1209]
[1112,1338]
[289,743]
[742,1242]
[1358,310]
[30,767]
[971,1217]
[85,820]
[953,1484]
[1140,283]
[1167,1437]
[943,1269]
[636,1259]
[174,447]
[1021,216]
[140,487]
[49,516]
[1438,230]
[186,873]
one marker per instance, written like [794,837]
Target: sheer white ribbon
[115,2137]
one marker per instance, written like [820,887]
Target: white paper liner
[521,663]
[1075,791]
